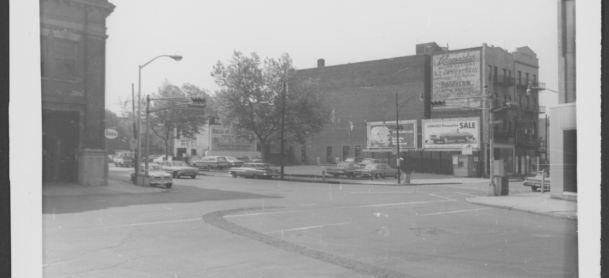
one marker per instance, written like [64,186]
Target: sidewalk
[114,187]
[313,173]
[535,203]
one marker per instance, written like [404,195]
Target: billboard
[222,139]
[383,136]
[457,75]
[451,134]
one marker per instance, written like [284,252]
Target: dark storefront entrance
[60,144]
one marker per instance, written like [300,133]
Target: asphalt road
[217,226]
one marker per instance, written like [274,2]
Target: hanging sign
[111,133]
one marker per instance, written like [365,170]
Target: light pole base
[143,181]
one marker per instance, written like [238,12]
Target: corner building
[73,53]
[363,93]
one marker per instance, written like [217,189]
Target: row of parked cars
[162,170]
[359,167]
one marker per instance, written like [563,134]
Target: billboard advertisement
[457,75]
[222,139]
[383,136]
[451,134]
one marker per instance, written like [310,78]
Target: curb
[356,183]
[548,214]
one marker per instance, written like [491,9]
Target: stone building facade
[73,53]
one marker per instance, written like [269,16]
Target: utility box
[464,166]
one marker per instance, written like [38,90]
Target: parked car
[234,162]
[210,162]
[156,175]
[367,161]
[124,159]
[343,168]
[376,170]
[254,170]
[248,158]
[455,136]
[354,159]
[535,182]
[162,158]
[179,168]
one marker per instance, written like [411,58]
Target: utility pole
[283,122]
[491,135]
[397,139]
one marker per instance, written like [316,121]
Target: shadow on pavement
[178,194]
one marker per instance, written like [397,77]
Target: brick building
[73,41]
[364,94]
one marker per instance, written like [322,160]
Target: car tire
[175,175]
[255,177]
[534,188]
[234,175]
[168,185]
[382,176]
[193,176]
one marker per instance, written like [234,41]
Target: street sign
[111,133]
[467,150]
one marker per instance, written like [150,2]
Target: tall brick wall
[365,92]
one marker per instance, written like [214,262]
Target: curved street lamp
[139,111]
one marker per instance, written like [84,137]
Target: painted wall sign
[111,133]
[382,136]
[456,75]
[451,134]
[222,139]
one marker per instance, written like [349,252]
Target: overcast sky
[340,32]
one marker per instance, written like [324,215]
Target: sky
[341,32]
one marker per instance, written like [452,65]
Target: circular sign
[111,133]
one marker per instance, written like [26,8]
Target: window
[535,80]
[519,77]
[495,75]
[520,100]
[490,72]
[358,151]
[329,158]
[65,53]
[346,150]
[527,77]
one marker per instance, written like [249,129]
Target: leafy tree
[251,100]
[170,121]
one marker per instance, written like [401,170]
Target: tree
[250,99]
[169,122]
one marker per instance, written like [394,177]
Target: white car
[162,158]
[156,174]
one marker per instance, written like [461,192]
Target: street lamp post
[139,109]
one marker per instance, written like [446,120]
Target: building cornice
[101,5]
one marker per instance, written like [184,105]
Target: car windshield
[372,166]
[179,163]
[230,158]
[221,159]
[344,164]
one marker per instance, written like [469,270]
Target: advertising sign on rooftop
[457,75]
[451,134]
[383,136]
